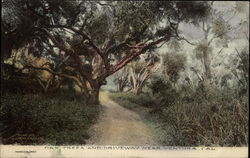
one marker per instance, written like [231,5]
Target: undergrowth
[58,118]
[195,117]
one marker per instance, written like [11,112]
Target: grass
[58,118]
[194,119]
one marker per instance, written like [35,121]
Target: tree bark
[208,75]
[120,85]
[206,57]
[93,92]
[94,97]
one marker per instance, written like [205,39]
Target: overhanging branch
[126,41]
[53,72]
[87,39]
[134,52]
[68,52]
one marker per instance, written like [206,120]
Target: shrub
[36,119]
[164,93]
[19,86]
[202,116]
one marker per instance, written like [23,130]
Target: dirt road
[119,126]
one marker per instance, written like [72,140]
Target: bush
[20,86]
[130,97]
[202,116]
[164,93]
[37,119]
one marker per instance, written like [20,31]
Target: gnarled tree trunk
[91,91]
[94,94]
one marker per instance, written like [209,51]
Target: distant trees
[121,79]
[173,64]
[217,34]
[141,71]
[85,36]
[136,74]
[215,29]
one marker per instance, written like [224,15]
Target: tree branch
[125,42]
[85,21]
[52,72]
[68,52]
[89,41]
[51,37]
[214,37]
[134,52]
[183,38]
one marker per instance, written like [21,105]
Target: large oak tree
[85,37]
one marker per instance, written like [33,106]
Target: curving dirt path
[119,126]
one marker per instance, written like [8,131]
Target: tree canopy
[89,35]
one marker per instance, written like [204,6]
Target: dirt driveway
[119,126]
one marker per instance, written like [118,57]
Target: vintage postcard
[123,79]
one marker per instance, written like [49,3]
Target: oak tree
[84,37]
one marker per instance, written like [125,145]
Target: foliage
[243,64]
[202,116]
[120,19]
[61,118]
[87,41]
[164,94]
[172,65]
[69,33]
[201,48]
[13,81]
[240,69]
[18,86]
[219,27]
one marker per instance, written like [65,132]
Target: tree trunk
[120,85]
[93,93]
[206,57]
[94,97]
[208,75]
[120,88]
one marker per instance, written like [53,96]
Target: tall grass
[202,116]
